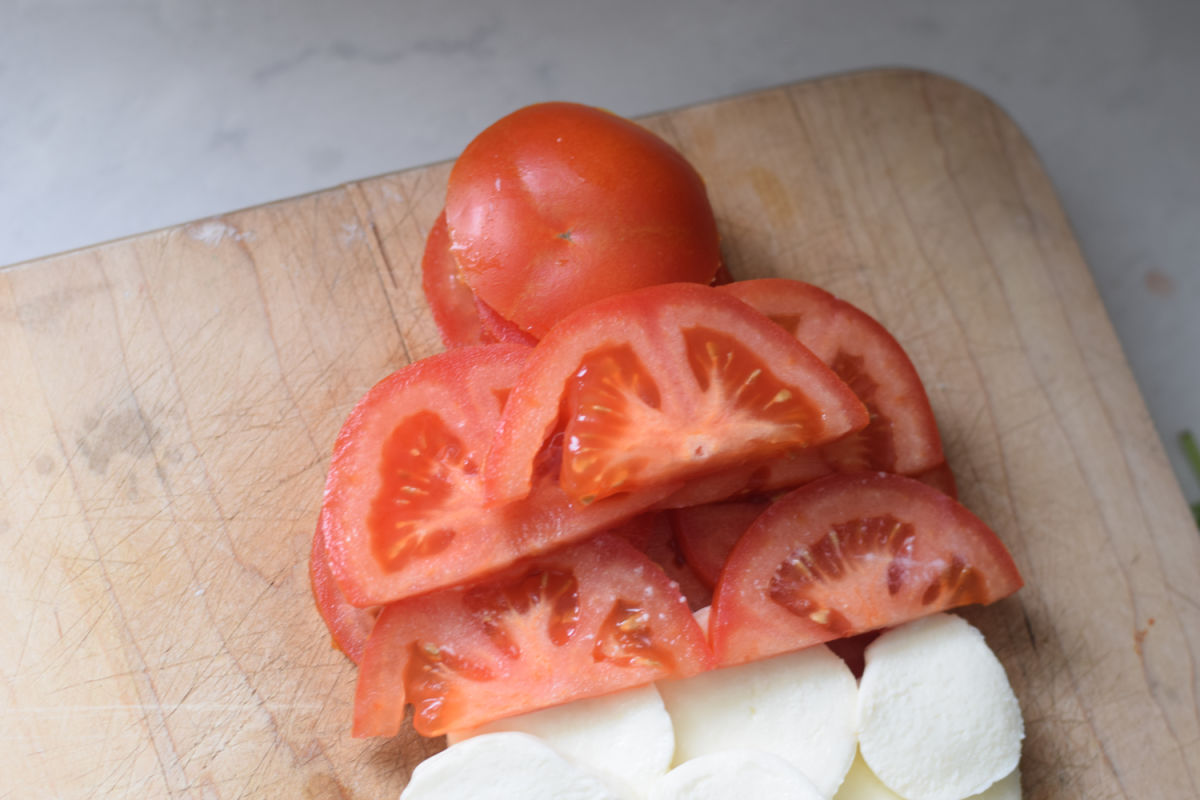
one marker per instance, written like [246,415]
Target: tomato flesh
[558,205]
[661,385]
[848,554]
[584,620]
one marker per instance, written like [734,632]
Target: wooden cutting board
[169,403]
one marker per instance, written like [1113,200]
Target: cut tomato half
[451,301]
[558,205]
[707,533]
[661,385]
[348,625]
[848,554]
[586,620]
[404,496]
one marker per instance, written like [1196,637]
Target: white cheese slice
[937,719]
[735,773]
[799,706]
[502,766]
[625,737]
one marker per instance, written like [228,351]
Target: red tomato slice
[902,436]
[558,205]
[707,533]
[349,626]
[848,554]
[660,385]
[653,535]
[451,301]
[582,621]
[404,496]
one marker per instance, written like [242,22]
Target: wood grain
[169,402]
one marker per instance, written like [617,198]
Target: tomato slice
[707,533]
[451,301]
[660,385]
[653,535]
[902,436]
[404,496]
[348,625]
[558,205]
[848,554]
[585,620]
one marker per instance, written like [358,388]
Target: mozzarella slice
[625,737]
[735,773]
[502,766]
[799,706]
[937,719]
[862,784]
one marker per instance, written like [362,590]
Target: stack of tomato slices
[533,515]
[507,527]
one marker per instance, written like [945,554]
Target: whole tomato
[559,204]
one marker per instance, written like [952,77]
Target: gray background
[123,116]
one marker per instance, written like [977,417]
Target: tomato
[349,626]
[498,329]
[660,385]
[848,554]
[581,621]
[707,533]
[941,478]
[558,204]
[451,301]
[902,436]
[404,496]
[653,535]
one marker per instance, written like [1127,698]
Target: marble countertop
[123,116]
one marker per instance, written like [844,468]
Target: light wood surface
[168,404]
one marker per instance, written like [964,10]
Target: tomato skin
[584,620]
[902,550]
[404,496]
[559,204]
[701,425]
[451,301]
[348,625]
